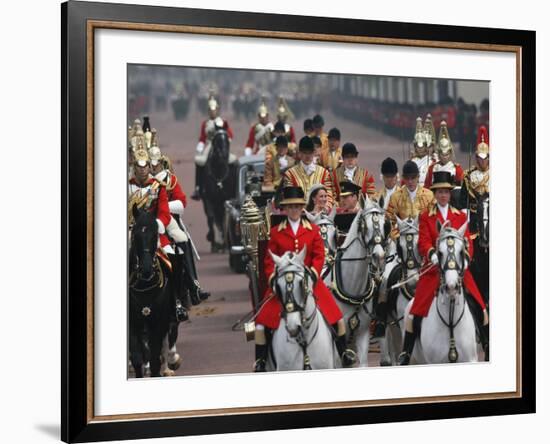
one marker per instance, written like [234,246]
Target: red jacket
[159,206]
[282,239]
[428,283]
[458,176]
[203,135]
[175,192]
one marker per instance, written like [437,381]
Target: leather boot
[348,356]
[408,346]
[181,313]
[198,180]
[381,315]
[196,293]
[484,338]
[261,358]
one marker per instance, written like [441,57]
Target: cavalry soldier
[276,165]
[350,172]
[293,234]
[332,157]
[389,177]
[207,131]
[429,135]
[445,153]
[259,135]
[476,180]
[177,201]
[473,195]
[283,113]
[306,174]
[148,193]
[421,155]
[410,200]
[428,284]
[318,124]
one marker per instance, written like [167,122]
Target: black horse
[218,186]
[149,306]
[480,261]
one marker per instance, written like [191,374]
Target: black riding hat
[306,145]
[293,195]
[334,133]
[281,141]
[349,149]
[410,168]
[280,127]
[389,167]
[318,121]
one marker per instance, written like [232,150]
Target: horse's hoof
[168,373]
[385,364]
[175,364]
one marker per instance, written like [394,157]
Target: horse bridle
[377,237]
[330,254]
[451,262]
[219,181]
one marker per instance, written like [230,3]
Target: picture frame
[80,21]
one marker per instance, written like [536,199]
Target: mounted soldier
[283,114]
[445,154]
[177,201]
[431,220]
[349,171]
[474,199]
[149,194]
[305,173]
[207,131]
[293,234]
[259,136]
[421,143]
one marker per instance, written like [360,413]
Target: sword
[184,228]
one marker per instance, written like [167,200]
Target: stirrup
[259,365]
[181,313]
[404,358]
[196,194]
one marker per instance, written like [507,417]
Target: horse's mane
[352,233]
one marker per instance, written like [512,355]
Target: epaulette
[306,224]
[282,226]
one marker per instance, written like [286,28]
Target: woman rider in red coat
[428,284]
[292,235]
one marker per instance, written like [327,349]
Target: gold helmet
[155,156]
[283,111]
[213,104]
[482,147]
[429,130]
[141,158]
[444,144]
[262,109]
[419,135]
[154,137]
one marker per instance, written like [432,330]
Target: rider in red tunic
[292,235]
[428,283]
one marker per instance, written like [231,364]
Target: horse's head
[407,246]
[144,243]
[372,232]
[327,228]
[218,158]
[293,286]
[451,250]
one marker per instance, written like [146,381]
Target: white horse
[448,333]
[401,292]
[303,340]
[357,272]
[325,222]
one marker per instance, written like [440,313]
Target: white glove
[161,177]
[466,263]
[270,126]
[283,162]
[161,227]
[248,151]
[434,259]
[200,147]
[176,207]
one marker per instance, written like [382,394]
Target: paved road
[206,342]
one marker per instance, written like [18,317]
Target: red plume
[482,135]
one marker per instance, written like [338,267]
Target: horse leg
[136,356]
[156,349]
[173,359]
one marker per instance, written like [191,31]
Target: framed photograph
[192,141]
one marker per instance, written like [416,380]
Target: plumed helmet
[419,135]
[482,147]
[262,109]
[141,158]
[444,144]
[429,130]
[213,104]
[155,156]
